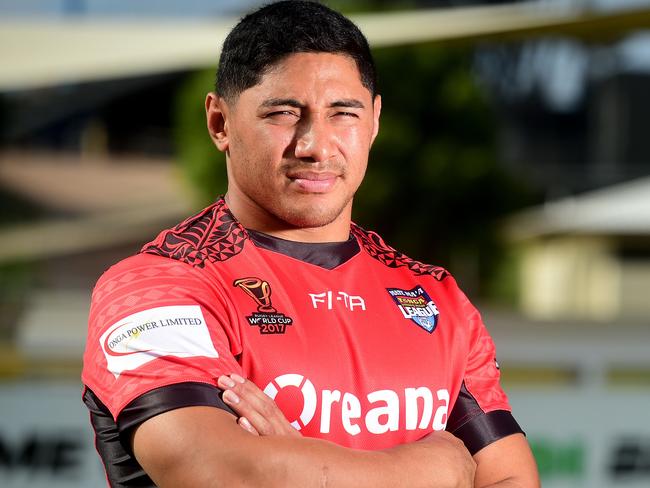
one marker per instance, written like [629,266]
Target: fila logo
[329,299]
[423,409]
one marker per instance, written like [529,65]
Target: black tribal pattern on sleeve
[477,428]
[211,235]
[375,246]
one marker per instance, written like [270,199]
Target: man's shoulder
[139,275]
[211,235]
[373,244]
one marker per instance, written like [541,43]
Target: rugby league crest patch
[416,305]
[266,317]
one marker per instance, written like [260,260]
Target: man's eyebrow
[275,102]
[292,102]
[347,102]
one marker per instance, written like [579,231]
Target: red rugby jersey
[357,343]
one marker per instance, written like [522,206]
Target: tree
[434,187]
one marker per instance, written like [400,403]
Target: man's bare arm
[205,447]
[506,463]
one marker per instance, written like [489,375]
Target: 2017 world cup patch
[416,305]
[267,318]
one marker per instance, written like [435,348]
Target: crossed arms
[209,447]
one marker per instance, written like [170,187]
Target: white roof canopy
[622,209]
[36,53]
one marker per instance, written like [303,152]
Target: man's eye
[282,113]
[347,114]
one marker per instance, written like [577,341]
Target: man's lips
[313,182]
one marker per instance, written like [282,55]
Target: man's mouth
[313,181]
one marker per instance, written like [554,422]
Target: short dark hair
[275,31]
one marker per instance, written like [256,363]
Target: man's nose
[314,141]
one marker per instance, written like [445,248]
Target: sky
[165,8]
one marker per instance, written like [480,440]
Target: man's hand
[505,463]
[178,448]
[258,414]
[457,455]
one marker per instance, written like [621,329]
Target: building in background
[587,257]
[86,179]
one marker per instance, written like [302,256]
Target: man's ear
[216,118]
[376,111]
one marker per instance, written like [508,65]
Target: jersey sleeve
[481,413]
[156,322]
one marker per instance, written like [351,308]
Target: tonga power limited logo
[416,304]
[177,330]
[267,318]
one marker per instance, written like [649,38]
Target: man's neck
[316,234]
[254,218]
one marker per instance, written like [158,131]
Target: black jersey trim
[375,246]
[327,255]
[113,439]
[486,428]
[163,400]
[477,428]
[465,408]
[122,469]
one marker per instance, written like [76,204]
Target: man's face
[297,143]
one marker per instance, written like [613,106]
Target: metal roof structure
[622,209]
[44,52]
[99,203]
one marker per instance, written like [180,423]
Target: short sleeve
[482,376]
[481,413]
[156,322]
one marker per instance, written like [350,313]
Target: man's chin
[310,217]
[308,221]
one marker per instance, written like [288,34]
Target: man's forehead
[292,77]
[302,57]
[335,76]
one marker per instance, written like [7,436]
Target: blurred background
[514,150]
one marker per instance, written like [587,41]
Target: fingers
[248,403]
[246,425]
[258,413]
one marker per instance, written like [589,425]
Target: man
[364,356]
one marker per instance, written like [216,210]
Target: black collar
[327,255]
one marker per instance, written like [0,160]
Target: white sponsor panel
[46,440]
[178,330]
[587,437]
